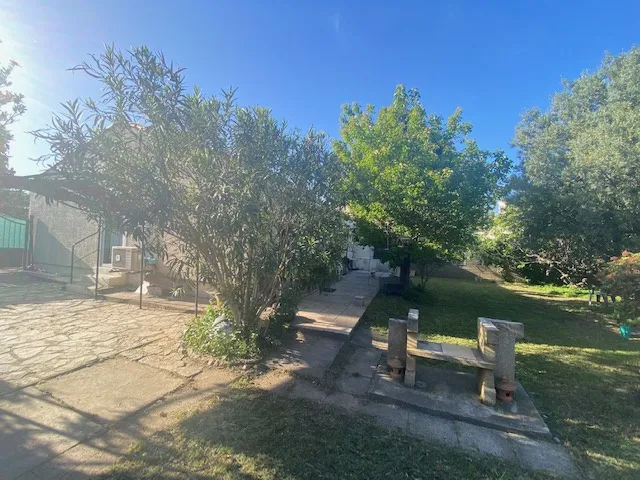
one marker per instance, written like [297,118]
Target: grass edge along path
[584,378]
[247,433]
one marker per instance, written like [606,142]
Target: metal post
[32,235]
[197,281]
[141,265]
[73,250]
[95,294]
[25,247]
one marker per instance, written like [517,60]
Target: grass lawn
[247,434]
[583,377]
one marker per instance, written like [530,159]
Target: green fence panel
[12,232]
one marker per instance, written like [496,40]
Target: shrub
[214,334]
[621,277]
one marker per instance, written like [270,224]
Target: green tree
[12,202]
[621,277]
[238,190]
[577,192]
[419,188]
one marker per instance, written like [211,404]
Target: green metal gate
[13,236]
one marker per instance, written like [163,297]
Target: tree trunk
[405,270]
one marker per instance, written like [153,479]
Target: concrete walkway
[73,419]
[338,312]
[331,361]
[353,375]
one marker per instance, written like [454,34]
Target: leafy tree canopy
[577,192]
[13,203]
[418,186]
[252,205]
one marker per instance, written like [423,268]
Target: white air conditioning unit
[126,259]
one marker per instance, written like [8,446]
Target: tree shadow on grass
[451,308]
[591,399]
[253,434]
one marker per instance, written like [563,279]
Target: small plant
[214,334]
[621,277]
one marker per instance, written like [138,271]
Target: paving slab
[343,400]
[363,362]
[486,441]
[432,428]
[35,428]
[46,331]
[543,456]
[305,389]
[336,313]
[388,415]
[113,389]
[452,394]
[353,384]
[96,454]
[306,354]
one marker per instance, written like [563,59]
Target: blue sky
[304,59]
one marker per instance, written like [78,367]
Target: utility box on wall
[126,259]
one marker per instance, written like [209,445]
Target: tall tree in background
[12,202]
[576,198]
[418,186]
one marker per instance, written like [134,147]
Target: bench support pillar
[410,371]
[486,386]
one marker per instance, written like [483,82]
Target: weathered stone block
[486,386]
[410,371]
[397,339]
[505,350]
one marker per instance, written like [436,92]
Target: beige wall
[56,228]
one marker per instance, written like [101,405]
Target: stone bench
[493,357]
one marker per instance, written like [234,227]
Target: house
[60,229]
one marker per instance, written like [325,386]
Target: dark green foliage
[576,199]
[200,337]
[223,189]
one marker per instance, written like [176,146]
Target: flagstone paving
[46,331]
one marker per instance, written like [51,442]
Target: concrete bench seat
[449,352]
[494,357]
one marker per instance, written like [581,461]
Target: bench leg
[410,371]
[486,386]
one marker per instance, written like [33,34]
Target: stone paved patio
[46,331]
[72,369]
